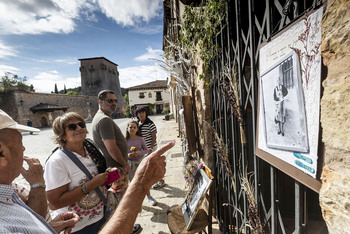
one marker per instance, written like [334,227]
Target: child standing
[137,151]
[117,190]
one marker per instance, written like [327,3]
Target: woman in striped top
[149,133]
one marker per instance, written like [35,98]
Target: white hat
[7,122]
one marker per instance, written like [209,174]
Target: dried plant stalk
[308,56]
[221,148]
[253,213]
[230,91]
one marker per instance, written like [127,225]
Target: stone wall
[17,104]
[335,114]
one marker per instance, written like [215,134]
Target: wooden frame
[300,164]
[195,197]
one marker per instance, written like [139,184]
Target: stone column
[335,117]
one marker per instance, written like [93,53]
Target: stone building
[42,108]
[98,74]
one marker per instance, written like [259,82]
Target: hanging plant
[200,27]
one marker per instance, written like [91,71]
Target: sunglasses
[112,100]
[73,127]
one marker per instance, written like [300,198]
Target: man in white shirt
[15,215]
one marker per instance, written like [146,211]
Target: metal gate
[283,204]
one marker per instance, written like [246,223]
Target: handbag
[96,155]
[88,174]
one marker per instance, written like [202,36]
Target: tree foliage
[128,111]
[72,93]
[14,82]
[56,90]
[126,97]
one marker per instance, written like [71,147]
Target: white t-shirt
[61,170]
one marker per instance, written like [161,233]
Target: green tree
[72,93]
[64,89]
[11,81]
[128,111]
[126,97]
[56,90]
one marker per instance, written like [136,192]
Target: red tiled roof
[151,85]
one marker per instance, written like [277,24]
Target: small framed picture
[283,106]
[195,197]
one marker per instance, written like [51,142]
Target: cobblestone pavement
[153,219]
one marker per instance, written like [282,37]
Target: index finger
[164,149]
[29,160]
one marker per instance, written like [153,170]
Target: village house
[154,93]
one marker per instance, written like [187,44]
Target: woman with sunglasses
[68,188]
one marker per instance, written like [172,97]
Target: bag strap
[85,170]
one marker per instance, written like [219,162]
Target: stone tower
[97,74]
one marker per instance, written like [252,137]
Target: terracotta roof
[151,85]
[47,107]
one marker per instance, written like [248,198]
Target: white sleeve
[56,173]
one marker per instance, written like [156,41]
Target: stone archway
[44,122]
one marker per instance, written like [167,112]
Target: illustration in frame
[283,106]
[194,199]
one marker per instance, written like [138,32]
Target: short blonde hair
[59,126]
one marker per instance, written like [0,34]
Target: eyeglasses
[112,100]
[73,127]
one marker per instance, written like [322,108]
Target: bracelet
[84,189]
[38,186]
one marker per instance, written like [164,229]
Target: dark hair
[141,109]
[59,125]
[138,133]
[103,94]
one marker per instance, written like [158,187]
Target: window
[159,96]
[142,95]
[149,95]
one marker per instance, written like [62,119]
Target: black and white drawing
[283,106]
[195,197]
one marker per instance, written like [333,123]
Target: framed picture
[195,197]
[283,106]
[289,100]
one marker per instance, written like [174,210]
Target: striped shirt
[17,217]
[147,128]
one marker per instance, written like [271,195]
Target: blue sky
[43,39]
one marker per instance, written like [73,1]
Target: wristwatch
[38,186]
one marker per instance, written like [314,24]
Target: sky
[43,40]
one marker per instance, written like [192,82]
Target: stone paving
[153,219]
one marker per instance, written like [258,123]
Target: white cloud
[131,12]
[151,54]
[148,29]
[6,51]
[132,76]
[45,82]
[70,61]
[59,16]
[5,68]
[42,16]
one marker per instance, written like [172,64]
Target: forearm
[114,151]
[117,156]
[69,197]
[37,201]
[154,139]
[123,219]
